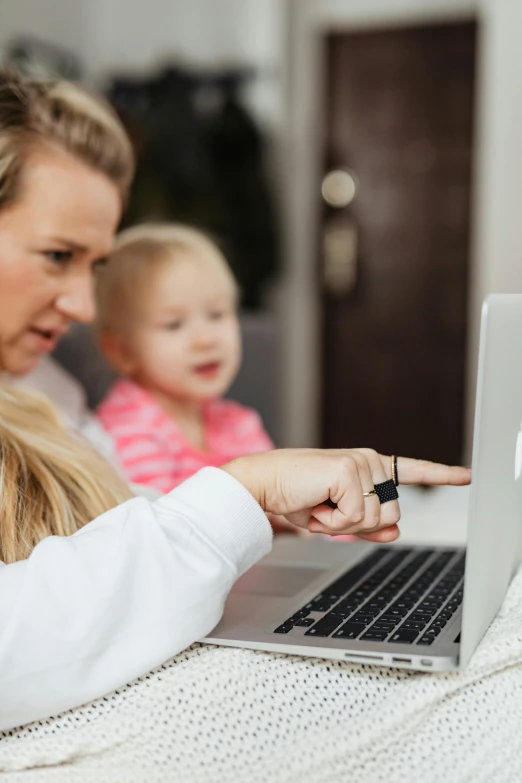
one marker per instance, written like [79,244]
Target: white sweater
[88,613]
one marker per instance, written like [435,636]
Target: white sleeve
[87,613]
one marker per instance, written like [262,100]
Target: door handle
[340,259]
[339,188]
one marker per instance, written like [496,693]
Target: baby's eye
[216,315]
[173,326]
[58,257]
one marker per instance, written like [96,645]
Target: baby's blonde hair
[138,253]
[51,483]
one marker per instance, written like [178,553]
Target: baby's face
[186,343]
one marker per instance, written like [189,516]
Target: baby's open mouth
[209,368]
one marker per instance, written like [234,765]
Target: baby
[167,322]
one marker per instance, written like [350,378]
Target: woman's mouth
[207,370]
[45,340]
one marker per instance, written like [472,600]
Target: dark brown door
[399,121]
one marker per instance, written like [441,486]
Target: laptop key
[401,604]
[320,604]
[373,608]
[421,617]
[363,617]
[390,618]
[374,636]
[379,600]
[397,612]
[428,606]
[349,631]
[368,612]
[378,626]
[305,621]
[426,640]
[324,627]
[348,603]
[335,612]
[298,615]
[285,628]
[409,625]
[404,636]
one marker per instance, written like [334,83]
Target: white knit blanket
[226,716]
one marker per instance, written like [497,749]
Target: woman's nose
[76,301]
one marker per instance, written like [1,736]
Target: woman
[82,614]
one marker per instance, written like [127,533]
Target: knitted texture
[226,716]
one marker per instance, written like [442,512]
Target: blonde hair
[51,483]
[65,116]
[138,253]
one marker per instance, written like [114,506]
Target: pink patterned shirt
[152,449]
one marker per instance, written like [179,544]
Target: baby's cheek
[234,347]
[159,359]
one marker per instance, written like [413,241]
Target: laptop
[415,607]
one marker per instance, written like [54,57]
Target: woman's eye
[216,315]
[58,256]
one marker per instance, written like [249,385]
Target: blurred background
[359,161]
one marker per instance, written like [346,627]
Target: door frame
[307,22]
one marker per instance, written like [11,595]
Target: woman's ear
[117,352]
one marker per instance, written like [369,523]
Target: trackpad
[281,581]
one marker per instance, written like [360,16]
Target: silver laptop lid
[494,546]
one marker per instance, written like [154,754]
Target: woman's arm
[86,614]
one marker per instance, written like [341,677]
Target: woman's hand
[296,483]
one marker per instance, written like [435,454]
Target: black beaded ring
[386,491]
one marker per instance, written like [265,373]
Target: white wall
[61,22]
[137,35]
[202,31]
[497,235]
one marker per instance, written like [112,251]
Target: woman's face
[51,239]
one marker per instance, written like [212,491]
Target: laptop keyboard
[395,595]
